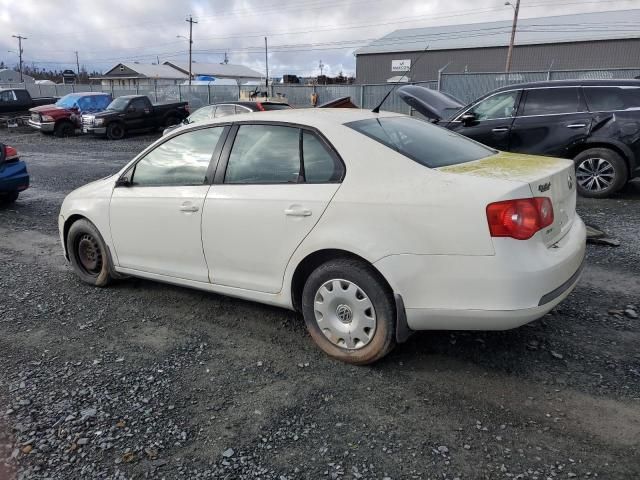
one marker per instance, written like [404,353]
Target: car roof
[312,117]
[571,83]
[88,94]
[248,104]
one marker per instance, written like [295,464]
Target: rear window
[275,106]
[602,99]
[421,141]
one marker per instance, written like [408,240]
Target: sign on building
[401,65]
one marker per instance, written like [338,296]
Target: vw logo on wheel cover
[344,313]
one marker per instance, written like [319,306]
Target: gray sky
[300,32]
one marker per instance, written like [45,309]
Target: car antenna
[377,108]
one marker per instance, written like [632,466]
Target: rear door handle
[500,129]
[189,208]
[577,125]
[297,212]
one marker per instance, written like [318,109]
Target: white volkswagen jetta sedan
[372,225]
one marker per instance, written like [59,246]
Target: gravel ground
[144,380]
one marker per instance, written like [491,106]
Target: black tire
[171,120]
[371,287]
[88,254]
[115,131]
[612,174]
[64,129]
[8,198]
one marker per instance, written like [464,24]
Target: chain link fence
[464,86]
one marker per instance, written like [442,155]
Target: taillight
[11,152]
[520,218]
[260,107]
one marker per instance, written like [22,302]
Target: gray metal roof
[216,69]
[580,27]
[148,71]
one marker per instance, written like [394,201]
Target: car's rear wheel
[349,311]
[115,131]
[64,129]
[600,172]
[88,254]
[171,121]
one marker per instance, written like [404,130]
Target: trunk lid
[430,103]
[547,177]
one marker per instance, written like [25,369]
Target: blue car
[14,177]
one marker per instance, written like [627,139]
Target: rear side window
[181,161]
[320,166]
[602,99]
[550,101]
[421,141]
[264,154]
[225,110]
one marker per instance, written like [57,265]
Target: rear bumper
[42,126]
[520,283]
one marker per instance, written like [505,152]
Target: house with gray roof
[217,70]
[133,75]
[597,40]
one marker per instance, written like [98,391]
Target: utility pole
[191,22]
[77,65]
[516,9]
[20,38]
[266,61]
[321,66]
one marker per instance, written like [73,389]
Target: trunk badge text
[570,182]
[544,187]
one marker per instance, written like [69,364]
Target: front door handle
[297,212]
[189,208]
[500,129]
[577,125]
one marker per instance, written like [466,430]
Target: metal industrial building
[565,42]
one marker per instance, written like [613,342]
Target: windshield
[68,101]
[421,141]
[119,104]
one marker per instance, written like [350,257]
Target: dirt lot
[143,380]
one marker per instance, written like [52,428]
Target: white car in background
[372,225]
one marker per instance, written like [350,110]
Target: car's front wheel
[115,131]
[88,254]
[349,311]
[600,172]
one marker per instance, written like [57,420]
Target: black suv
[594,122]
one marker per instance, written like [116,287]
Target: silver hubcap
[345,314]
[595,174]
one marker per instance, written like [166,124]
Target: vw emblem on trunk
[570,182]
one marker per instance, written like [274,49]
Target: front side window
[421,141]
[319,165]
[551,101]
[182,160]
[264,154]
[139,105]
[500,105]
[603,99]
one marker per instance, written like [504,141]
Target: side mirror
[123,182]
[131,109]
[468,118]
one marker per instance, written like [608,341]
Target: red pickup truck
[65,116]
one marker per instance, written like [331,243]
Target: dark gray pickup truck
[131,113]
[19,100]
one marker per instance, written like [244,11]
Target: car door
[156,211]
[550,121]
[489,121]
[273,184]
[139,114]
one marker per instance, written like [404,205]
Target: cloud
[300,33]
